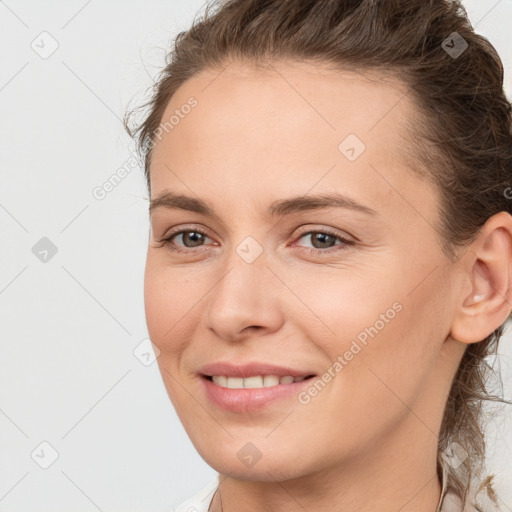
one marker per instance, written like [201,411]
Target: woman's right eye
[187,240]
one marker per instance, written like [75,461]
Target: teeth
[258,381]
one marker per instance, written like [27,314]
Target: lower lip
[250,399]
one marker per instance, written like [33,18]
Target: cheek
[393,360]
[380,339]
[171,297]
[376,382]
[335,306]
[171,305]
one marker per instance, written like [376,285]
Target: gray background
[70,324]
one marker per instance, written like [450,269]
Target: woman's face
[263,269]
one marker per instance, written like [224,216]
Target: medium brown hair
[461,137]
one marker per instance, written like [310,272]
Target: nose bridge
[246,268]
[245,280]
[243,295]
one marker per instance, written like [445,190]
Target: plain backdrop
[85,422]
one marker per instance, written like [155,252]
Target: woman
[330,254]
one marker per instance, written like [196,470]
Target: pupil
[323,238]
[192,236]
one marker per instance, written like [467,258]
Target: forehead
[284,126]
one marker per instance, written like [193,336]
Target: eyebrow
[172,200]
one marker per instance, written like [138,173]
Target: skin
[368,440]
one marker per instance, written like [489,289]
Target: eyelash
[167,241]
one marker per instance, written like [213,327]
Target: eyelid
[184,228]
[328,230]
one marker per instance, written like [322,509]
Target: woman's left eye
[321,241]
[324,240]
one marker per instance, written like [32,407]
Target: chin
[257,460]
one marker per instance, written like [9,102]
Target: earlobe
[488,276]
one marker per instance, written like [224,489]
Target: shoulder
[200,502]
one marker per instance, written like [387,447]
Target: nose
[244,301]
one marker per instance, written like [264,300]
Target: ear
[486,300]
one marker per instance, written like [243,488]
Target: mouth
[255,381]
[244,386]
[253,393]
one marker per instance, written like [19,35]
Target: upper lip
[250,369]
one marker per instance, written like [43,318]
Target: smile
[257,381]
